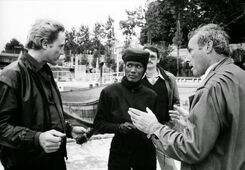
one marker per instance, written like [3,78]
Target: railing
[188,79]
[83,112]
[106,77]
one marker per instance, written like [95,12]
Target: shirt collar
[158,75]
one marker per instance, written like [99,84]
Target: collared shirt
[154,78]
[52,98]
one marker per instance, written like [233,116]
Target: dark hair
[43,29]
[153,49]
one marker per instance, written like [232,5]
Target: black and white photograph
[122,84]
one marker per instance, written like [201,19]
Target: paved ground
[92,155]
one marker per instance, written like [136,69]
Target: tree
[228,13]
[78,42]
[14,46]
[109,44]
[135,18]
[161,18]
[84,60]
[99,48]
[169,64]
[83,40]
[71,46]
[159,23]
[238,56]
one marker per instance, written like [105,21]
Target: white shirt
[154,78]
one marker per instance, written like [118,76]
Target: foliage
[109,44]
[169,63]
[110,33]
[84,60]
[238,56]
[161,17]
[135,19]
[99,34]
[83,40]
[14,46]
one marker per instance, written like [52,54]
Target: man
[130,148]
[214,135]
[164,84]
[32,125]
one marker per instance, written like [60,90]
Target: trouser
[165,162]
[46,162]
[138,161]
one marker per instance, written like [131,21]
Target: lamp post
[178,41]
[101,71]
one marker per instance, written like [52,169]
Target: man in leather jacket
[33,130]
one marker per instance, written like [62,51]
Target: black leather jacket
[24,111]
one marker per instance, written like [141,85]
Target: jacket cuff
[153,128]
[36,140]
[68,129]
[117,128]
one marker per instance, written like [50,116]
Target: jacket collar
[31,63]
[224,61]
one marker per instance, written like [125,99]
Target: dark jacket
[173,93]
[113,106]
[167,91]
[24,113]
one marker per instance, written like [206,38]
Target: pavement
[92,155]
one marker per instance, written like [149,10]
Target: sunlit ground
[92,155]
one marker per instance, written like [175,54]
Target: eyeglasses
[152,57]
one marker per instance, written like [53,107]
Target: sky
[17,16]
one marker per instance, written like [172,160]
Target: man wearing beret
[130,148]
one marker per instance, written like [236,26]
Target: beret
[136,54]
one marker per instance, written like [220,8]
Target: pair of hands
[179,116]
[51,140]
[148,123]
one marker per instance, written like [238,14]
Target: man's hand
[77,131]
[144,121]
[126,127]
[51,140]
[179,115]
[85,136]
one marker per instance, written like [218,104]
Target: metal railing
[188,79]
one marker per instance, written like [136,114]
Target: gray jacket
[214,136]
